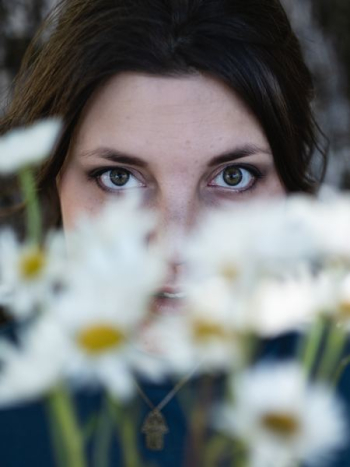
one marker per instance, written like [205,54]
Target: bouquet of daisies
[81,301]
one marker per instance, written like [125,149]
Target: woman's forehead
[167,113]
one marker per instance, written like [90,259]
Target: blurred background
[323,27]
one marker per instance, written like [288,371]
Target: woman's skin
[187,144]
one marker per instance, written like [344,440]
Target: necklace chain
[170,395]
[155,426]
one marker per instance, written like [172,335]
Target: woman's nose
[171,238]
[177,217]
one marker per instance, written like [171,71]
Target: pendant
[154,428]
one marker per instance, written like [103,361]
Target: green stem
[126,425]
[66,428]
[219,446]
[89,428]
[33,212]
[214,449]
[199,420]
[129,443]
[103,437]
[311,345]
[249,345]
[239,454]
[56,439]
[333,350]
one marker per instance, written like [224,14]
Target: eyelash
[96,174]
[252,170]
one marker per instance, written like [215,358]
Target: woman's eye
[116,179]
[237,178]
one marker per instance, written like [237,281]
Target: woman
[194,81]
[194,103]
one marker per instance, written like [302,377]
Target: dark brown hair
[247,44]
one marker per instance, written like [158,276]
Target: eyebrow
[238,153]
[114,155]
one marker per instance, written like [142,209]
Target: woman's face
[186,144]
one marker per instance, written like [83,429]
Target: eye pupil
[232,176]
[119,177]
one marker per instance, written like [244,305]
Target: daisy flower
[100,316]
[119,225]
[251,240]
[215,326]
[208,333]
[282,417]
[277,305]
[36,365]
[27,146]
[331,222]
[112,276]
[333,297]
[30,275]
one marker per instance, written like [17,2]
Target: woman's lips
[171,291]
[178,295]
[168,300]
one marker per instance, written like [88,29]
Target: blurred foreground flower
[282,418]
[30,275]
[254,239]
[23,147]
[83,302]
[97,297]
[101,310]
[34,366]
[278,306]
[213,329]
[330,220]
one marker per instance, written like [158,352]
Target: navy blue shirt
[26,435]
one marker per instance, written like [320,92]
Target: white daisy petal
[27,146]
[33,368]
[29,276]
[283,418]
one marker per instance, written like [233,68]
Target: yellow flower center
[344,309]
[283,424]
[207,330]
[229,272]
[100,338]
[32,263]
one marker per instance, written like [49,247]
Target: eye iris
[233,176]
[119,177]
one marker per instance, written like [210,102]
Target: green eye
[119,177]
[115,179]
[232,176]
[237,178]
